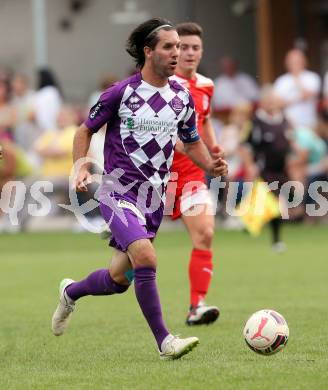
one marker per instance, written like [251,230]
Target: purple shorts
[127,223]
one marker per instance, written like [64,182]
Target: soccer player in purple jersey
[144,115]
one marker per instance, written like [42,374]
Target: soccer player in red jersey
[192,202]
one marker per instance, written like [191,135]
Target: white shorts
[190,199]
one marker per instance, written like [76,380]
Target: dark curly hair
[146,34]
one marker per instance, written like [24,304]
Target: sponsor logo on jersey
[134,99]
[134,103]
[177,104]
[95,111]
[153,126]
[130,123]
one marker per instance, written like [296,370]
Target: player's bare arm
[198,153]
[179,147]
[209,134]
[81,146]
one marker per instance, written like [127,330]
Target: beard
[161,68]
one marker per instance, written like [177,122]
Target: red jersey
[201,89]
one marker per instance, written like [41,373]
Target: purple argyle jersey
[143,123]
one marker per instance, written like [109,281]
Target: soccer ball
[266,332]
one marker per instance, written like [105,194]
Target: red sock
[200,274]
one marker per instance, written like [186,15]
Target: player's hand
[217,152]
[82,179]
[219,168]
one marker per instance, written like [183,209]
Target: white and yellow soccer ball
[266,332]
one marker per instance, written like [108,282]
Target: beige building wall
[226,33]
[95,45]
[16,35]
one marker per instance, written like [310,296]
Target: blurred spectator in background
[25,130]
[48,101]
[325,93]
[97,141]
[55,146]
[55,150]
[232,134]
[311,148]
[105,82]
[310,162]
[322,128]
[231,88]
[266,150]
[5,74]
[13,166]
[230,138]
[7,113]
[298,90]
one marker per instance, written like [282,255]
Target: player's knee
[120,282]
[205,236]
[142,254]
[145,258]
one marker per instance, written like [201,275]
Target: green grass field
[109,346]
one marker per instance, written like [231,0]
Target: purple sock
[97,283]
[147,296]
